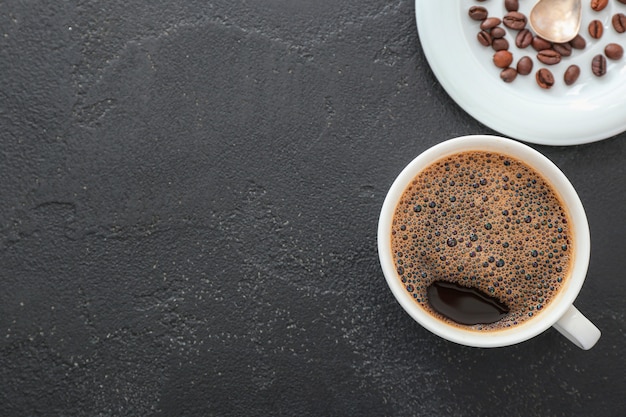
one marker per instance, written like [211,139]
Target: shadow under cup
[562,303]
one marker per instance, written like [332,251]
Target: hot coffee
[481,241]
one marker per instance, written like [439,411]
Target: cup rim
[565,191]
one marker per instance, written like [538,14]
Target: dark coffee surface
[464,305]
[486,221]
[189,195]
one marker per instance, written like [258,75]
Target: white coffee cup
[560,312]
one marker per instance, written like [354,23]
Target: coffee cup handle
[578,329]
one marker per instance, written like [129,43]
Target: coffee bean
[512,5]
[548,53]
[514,20]
[500,44]
[477,13]
[579,42]
[502,59]
[508,75]
[622,1]
[484,38]
[564,49]
[524,38]
[614,51]
[571,74]
[490,23]
[497,32]
[619,22]
[598,5]
[596,29]
[544,78]
[539,44]
[524,65]
[598,65]
[549,57]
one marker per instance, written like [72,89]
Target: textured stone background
[189,194]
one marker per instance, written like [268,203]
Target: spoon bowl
[556,20]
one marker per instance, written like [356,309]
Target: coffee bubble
[487,222]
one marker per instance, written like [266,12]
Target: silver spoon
[556,20]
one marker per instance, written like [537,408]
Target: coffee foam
[487,221]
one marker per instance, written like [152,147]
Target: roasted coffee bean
[614,51]
[524,65]
[512,5]
[502,59]
[544,78]
[549,57]
[598,65]
[564,49]
[596,29]
[514,20]
[478,13]
[579,42]
[539,44]
[484,38]
[508,75]
[497,32]
[500,44]
[490,23]
[524,38]
[622,1]
[571,74]
[619,22]
[598,5]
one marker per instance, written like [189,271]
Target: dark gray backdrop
[189,194]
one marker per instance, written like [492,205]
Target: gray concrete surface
[189,194]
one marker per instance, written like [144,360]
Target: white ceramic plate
[592,109]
